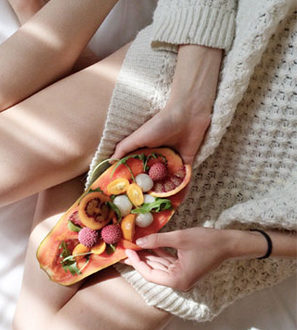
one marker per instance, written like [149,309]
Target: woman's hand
[183,122]
[199,250]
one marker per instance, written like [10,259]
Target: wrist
[245,244]
[195,78]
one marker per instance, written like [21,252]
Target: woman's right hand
[199,251]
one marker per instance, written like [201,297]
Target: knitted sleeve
[204,22]
[274,210]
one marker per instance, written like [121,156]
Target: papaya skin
[47,251]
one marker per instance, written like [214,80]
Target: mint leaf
[71,226]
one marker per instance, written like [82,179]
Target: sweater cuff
[206,26]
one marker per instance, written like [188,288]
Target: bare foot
[25,9]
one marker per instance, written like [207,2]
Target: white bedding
[270,309]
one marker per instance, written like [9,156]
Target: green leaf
[96,190]
[116,209]
[110,248]
[72,268]
[154,155]
[71,226]
[99,169]
[85,264]
[68,262]
[65,251]
[160,204]
[124,160]
[88,192]
[72,257]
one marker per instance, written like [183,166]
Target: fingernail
[128,253]
[141,241]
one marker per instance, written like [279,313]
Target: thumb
[170,239]
[144,136]
[125,146]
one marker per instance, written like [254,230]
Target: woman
[192,63]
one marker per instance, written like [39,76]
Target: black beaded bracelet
[269,243]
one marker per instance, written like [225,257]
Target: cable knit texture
[245,175]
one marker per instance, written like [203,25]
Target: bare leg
[106,301]
[51,136]
[47,46]
[25,9]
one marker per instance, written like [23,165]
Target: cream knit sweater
[245,174]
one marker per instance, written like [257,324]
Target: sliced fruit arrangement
[125,202]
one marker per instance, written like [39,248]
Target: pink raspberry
[158,171]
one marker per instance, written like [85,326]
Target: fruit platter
[134,197]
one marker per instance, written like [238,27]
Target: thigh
[51,136]
[109,302]
[43,296]
[105,301]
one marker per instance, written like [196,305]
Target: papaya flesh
[61,236]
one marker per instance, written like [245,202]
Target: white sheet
[271,309]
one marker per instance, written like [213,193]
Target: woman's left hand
[199,250]
[184,120]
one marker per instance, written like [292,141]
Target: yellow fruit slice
[128,227]
[135,194]
[99,247]
[93,210]
[80,249]
[118,186]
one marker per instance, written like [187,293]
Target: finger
[144,136]
[165,255]
[125,261]
[152,275]
[170,239]
[139,138]
[156,265]
[159,260]
[125,146]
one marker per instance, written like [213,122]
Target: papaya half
[77,246]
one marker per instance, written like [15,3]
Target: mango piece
[80,249]
[128,227]
[135,194]
[118,186]
[99,247]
